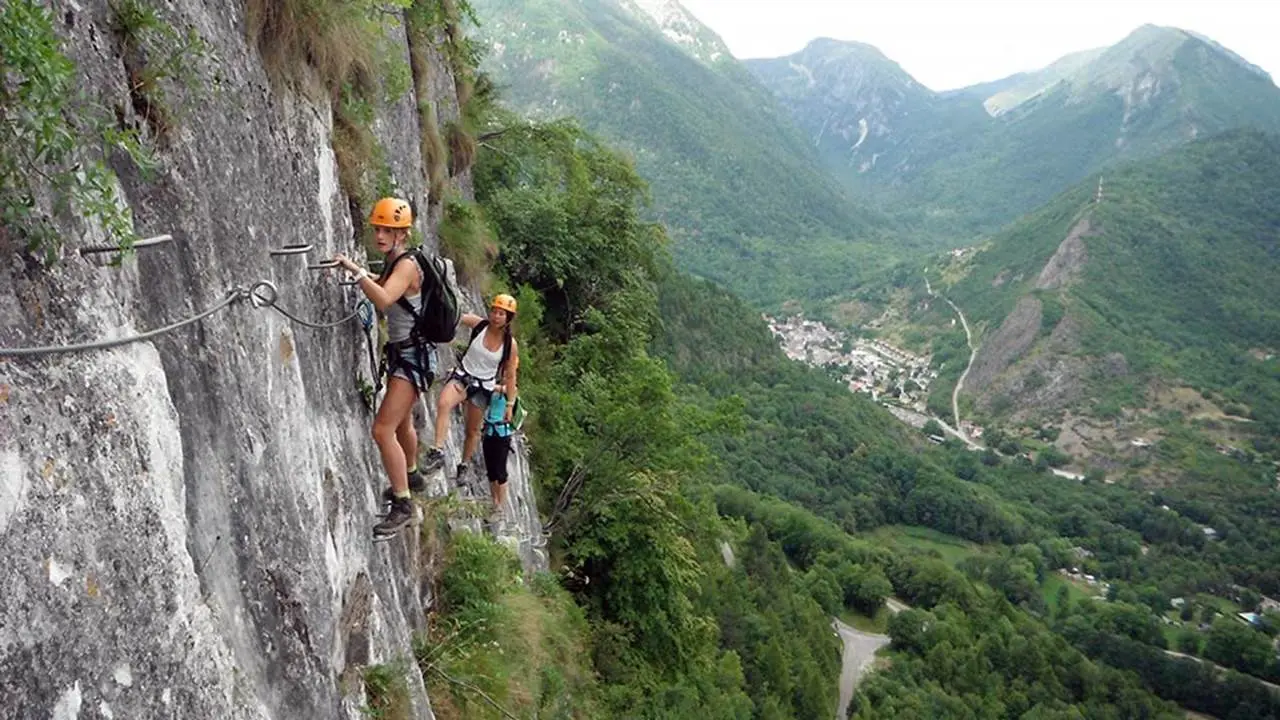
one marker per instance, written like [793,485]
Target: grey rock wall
[184,522]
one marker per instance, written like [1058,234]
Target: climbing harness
[368,316]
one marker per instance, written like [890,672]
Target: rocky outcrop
[1006,345]
[185,521]
[1048,378]
[1068,260]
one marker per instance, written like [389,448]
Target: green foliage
[466,238]
[155,54]
[618,458]
[343,42]
[523,645]
[566,210]
[628,446]
[477,573]
[387,692]
[53,139]
[992,661]
[1195,685]
[1236,645]
[448,19]
[644,571]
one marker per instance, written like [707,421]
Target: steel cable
[232,296]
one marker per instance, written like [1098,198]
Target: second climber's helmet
[505,302]
[391,212]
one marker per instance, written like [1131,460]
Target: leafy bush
[467,239]
[46,170]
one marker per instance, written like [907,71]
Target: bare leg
[499,492]
[475,419]
[407,436]
[450,396]
[396,405]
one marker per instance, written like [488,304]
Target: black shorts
[496,448]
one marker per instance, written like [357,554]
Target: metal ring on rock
[293,250]
[139,245]
[269,298]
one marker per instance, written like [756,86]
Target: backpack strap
[506,351]
[386,273]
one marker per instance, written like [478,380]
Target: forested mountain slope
[743,195]
[1174,274]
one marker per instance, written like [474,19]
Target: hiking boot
[433,461]
[462,471]
[417,483]
[399,516]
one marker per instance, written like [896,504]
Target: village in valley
[874,367]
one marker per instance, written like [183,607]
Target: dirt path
[973,353]
[1224,671]
[859,652]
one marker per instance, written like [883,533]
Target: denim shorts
[477,394]
[417,364]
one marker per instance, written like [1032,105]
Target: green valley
[712,504]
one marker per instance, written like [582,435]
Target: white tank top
[481,363]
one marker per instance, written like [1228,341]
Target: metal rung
[292,250]
[323,265]
[139,245]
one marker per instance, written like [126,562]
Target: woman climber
[496,446]
[491,360]
[409,364]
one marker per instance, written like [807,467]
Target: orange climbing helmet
[505,302]
[391,212]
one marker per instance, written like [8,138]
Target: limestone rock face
[185,522]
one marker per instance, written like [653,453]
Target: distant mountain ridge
[968,160]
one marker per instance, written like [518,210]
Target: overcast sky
[947,44]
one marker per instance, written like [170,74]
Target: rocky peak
[853,101]
[681,27]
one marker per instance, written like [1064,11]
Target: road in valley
[859,652]
[973,353]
